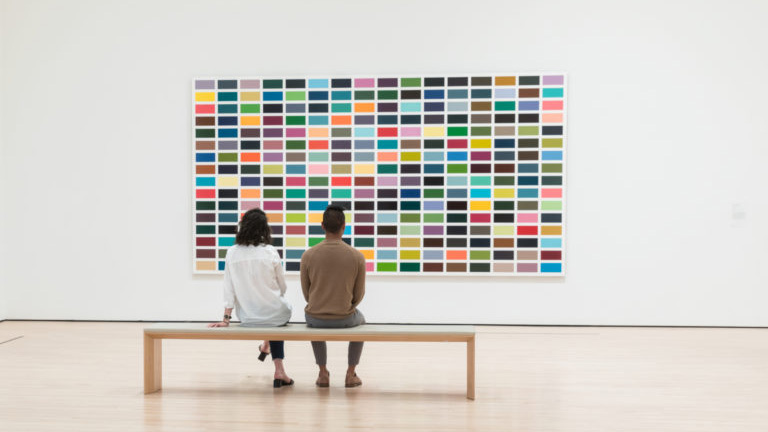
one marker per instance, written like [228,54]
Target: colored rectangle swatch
[440,174]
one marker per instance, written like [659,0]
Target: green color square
[410,217]
[363,242]
[250,108]
[318,156]
[552,143]
[296,193]
[387,94]
[272,84]
[341,107]
[505,105]
[273,193]
[552,168]
[457,168]
[222,253]
[387,169]
[480,267]
[296,217]
[551,205]
[227,157]
[205,229]
[295,95]
[295,145]
[456,218]
[410,267]
[528,130]
[250,169]
[481,131]
[295,120]
[410,205]
[341,193]
[205,205]
[318,181]
[205,133]
[480,181]
[503,205]
[484,255]
[434,193]
[341,132]
[457,131]
[433,217]
[504,181]
[365,95]
[410,82]
[386,267]
[410,230]
[315,241]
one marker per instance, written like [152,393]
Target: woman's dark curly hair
[254,229]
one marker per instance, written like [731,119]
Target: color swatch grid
[449,174]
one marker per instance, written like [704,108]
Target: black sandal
[281,382]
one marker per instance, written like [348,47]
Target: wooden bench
[154,335]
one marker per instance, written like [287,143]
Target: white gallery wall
[667,149]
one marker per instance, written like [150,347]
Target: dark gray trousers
[320,348]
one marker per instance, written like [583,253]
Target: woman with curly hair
[254,286]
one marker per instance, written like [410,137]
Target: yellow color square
[365,169]
[250,96]
[250,120]
[315,217]
[205,265]
[205,97]
[504,193]
[410,156]
[273,169]
[552,230]
[481,143]
[410,242]
[367,253]
[434,131]
[227,181]
[410,255]
[296,241]
[503,230]
[480,205]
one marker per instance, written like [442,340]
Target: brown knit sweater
[332,279]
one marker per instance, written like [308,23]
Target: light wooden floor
[87,377]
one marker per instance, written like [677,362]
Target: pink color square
[250,84]
[369,266]
[527,218]
[272,205]
[205,109]
[295,181]
[553,105]
[410,131]
[364,82]
[527,268]
[364,193]
[248,205]
[273,145]
[318,168]
[386,242]
[552,193]
[295,132]
[387,181]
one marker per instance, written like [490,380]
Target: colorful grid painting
[441,174]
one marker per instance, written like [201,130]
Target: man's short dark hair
[333,219]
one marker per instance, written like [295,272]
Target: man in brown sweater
[333,283]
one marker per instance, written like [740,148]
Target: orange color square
[274,217]
[386,156]
[456,254]
[367,253]
[365,107]
[250,157]
[251,193]
[338,120]
[318,145]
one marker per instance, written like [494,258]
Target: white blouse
[254,284]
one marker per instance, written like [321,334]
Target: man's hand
[219,324]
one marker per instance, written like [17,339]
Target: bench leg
[153,364]
[471,368]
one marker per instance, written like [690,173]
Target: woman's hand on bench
[219,324]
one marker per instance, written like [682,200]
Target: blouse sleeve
[279,273]
[229,288]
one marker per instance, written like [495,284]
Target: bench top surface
[302,329]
